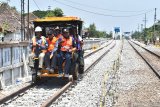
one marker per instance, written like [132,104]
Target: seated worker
[67,46]
[38,46]
[57,32]
[50,56]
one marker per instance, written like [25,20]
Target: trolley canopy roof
[55,19]
[62,22]
[58,21]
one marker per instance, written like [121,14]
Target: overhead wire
[101,8]
[102,13]
[36,5]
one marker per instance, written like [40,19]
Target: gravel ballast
[137,85]
[88,91]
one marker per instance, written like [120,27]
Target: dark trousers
[61,56]
[80,57]
[50,63]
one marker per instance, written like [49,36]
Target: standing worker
[67,46]
[79,45]
[38,46]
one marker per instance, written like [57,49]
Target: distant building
[9,22]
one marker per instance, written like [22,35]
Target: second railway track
[152,59]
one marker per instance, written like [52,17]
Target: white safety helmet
[57,28]
[38,29]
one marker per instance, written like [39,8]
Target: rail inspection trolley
[62,22]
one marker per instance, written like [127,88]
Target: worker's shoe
[48,68]
[66,75]
[60,74]
[51,70]
[45,73]
[31,66]
[40,67]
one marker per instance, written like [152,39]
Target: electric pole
[145,20]
[155,23]
[22,21]
[28,23]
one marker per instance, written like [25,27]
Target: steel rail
[14,94]
[97,50]
[50,100]
[149,64]
[147,49]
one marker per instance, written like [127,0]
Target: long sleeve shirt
[40,41]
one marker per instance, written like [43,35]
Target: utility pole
[145,20]
[155,23]
[22,21]
[28,23]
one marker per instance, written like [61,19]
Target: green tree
[109,35]
[50,13]
[137,35]
[58,12]
[92,30]
[40,13]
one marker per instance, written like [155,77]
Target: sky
[106,14]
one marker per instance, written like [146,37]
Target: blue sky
[97,11]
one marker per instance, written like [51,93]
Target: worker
[79,44]
[50,56]
[38,46]
[67,46]
[57,32]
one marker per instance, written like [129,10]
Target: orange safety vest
[59,35]
[67,43]
[51,43]
[34,42]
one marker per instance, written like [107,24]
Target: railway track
[151,58]
[43,95]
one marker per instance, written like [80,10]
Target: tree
[50,13]
[109,35]
[40,13]
[92,30]
[58,12]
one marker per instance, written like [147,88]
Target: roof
[31,17]
[52,19]
[9,18]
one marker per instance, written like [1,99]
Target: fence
[11,61]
